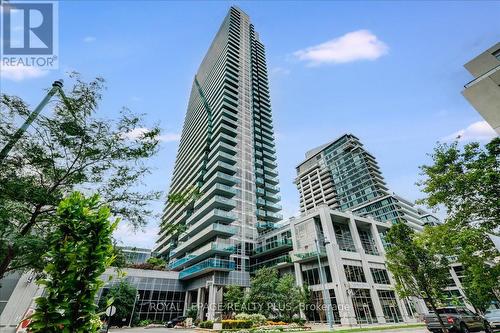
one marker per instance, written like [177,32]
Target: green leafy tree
[157,262]
[418,270]
[120,260]
[80,249]
[466,181]
[192,312]
[122,296]
[234,299]
[290,297]
[263,291]
[68,148]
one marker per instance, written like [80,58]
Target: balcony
[217,202]
[216,215]
[301,257]
[218,189]
[261,226]
[278,262]
[219,178]
[211,264]
[268,205]
[272,247]
[202,236]
[208,250]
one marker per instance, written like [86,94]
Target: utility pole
[133,309]
[326,295]
[56,87]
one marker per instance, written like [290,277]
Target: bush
[236,323]
[299,321]
[257,319]
[144,322]
[207,324]
[192,312]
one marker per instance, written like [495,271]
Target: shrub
[144,322]
[207,324]
[192,312]
[257,319]
[236,323]
[299,321]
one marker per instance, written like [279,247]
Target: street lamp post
[56,87]
[133,309]
[326,296]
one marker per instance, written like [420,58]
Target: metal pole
[133,309]
[326,294]
[56,86]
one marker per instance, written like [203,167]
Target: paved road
[171,330]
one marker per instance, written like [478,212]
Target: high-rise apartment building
[484,91]
[345,176]
[227,157]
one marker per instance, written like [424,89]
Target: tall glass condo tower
[225,167]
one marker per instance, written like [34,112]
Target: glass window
[380,276]
[390,306]
[354,273]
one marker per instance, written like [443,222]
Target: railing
[209,264]
[273,262]
[479,78]
[345,243]
[272,245]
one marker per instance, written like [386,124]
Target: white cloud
[478,131]
[140,131]
[19,73]
[353,46]
[89,39]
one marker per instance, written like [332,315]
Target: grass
[378,328]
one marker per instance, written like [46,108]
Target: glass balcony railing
[207,265]
[180,262]
[265,225]
[273,245]
[284,259]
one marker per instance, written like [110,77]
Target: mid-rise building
[353,269]
[227,156]
[483,92]
[345,176]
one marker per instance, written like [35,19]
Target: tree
[122,296]
[418,271]
[263,291]
[234,299]
[80,249]
[68,148]
[466,181]
[290,297]
[157,262]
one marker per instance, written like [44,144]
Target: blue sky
[389,72]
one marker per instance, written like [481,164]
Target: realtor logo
[29,33]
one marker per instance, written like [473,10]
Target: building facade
[227,158]
[353,268]
[345,176]
[483,92]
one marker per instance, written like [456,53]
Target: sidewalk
[394,328]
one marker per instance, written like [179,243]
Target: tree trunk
[433,306]
[4,265]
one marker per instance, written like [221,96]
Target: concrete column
[187,302]
[211,304]
[355,235]
[377,239]
[199,304]
[346,310]
[376,302]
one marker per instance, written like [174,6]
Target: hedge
[236,323]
